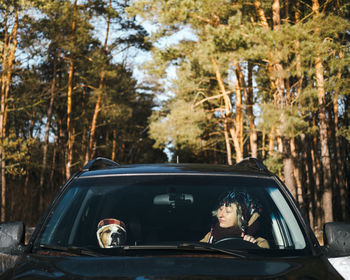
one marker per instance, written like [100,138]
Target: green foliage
[231,31]
[190,120]
[17,150]
[274,163]
[345,132]
[288,120]
[180,127]
[46,42]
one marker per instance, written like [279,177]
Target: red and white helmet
[111,233]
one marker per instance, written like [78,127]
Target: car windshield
[155,209]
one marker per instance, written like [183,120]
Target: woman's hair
[238,222]
[246,206]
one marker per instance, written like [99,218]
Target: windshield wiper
[189,246]
[72,250]
[186,246]
[213,248]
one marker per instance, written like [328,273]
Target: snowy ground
[342,265]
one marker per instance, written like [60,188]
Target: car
[166,221]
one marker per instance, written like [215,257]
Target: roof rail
[100,163]
[252,163]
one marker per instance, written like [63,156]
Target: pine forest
[195,81]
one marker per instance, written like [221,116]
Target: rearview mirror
[336,238]
[173,199]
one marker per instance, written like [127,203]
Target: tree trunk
[263,146]
[336,183]
[3,188]
[53,164]
[233,133]
[271,142]
[239,116]
[325,155]
[70,136]
[279,95]
[61,147]
[275,69]
[47,132]
[228,145]
[32,196]
[253,136]
[339,159]
[295,159]
[288,171]
[248,96]
[317,172]
[298,57]
[340,154]
[261,14]
[114,144]
[92,141]
[308,179]
[8,58]
[281,99]
[264,24]
[228,112]
[288,166]
[85,128]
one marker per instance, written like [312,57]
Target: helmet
[111,233]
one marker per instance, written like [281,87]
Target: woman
[237,216]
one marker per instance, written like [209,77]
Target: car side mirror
[336,238]
[11,244]
[11,236]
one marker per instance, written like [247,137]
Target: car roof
[105,167]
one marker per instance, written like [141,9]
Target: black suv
[172,221]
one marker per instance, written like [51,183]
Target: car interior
[160,213]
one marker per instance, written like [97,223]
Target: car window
[286,220]
[167,209]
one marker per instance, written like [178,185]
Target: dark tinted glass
[158,209]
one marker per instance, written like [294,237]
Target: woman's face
[227,215]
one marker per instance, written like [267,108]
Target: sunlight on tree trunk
[8,59]
[325,155]
[253,136]
[228,112]
[70,134]
[92,141]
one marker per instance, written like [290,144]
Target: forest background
[226,79]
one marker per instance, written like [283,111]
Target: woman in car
[237,216]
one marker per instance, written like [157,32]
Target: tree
[9,40]
[288,58]
[115,13]
[52,98]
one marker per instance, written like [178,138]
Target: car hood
[170,267]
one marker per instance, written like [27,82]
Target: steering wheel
[235,243]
